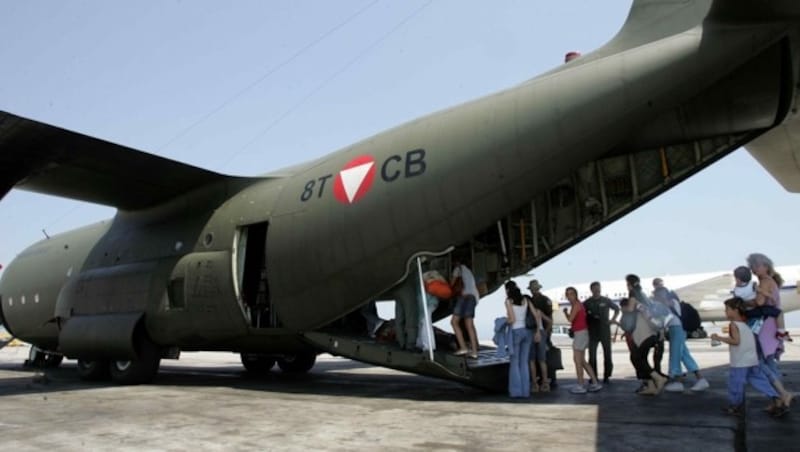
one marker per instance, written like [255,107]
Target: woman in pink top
[769,287]
[577,318]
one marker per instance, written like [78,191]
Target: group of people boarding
[755,335]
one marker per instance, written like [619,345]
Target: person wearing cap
[542,303]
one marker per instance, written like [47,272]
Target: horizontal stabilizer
[46,159]
[778,151]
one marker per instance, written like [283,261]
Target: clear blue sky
[250,86]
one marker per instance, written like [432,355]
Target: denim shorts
[539,349]
[465,306]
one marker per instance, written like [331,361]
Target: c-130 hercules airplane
[274,267]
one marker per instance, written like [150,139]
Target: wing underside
[46,159]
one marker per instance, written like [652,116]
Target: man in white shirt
[466,301]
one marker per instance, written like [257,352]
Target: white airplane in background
[707,292]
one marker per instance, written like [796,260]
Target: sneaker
[701,385]
[594,387]
[578,389]
[675,386]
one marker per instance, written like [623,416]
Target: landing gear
[297,364]
[141,369]
[96,370]
[257,363]
[42,359]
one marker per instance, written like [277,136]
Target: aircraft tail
[650,20]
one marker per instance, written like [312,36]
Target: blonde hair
[761,259]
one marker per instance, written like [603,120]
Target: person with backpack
[641,336]
[678,351]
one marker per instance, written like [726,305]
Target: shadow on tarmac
[624,421]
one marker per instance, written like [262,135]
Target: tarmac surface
[205,401]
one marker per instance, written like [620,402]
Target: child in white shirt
[744,366]
[747,290]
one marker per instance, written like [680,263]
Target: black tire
[297,364]
[141,369]
[52,360]
[96,370]
[36,357]
[257,363]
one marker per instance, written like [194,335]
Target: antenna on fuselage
[45,234]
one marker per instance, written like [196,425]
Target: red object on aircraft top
[571,56]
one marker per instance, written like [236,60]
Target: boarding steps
[486,372]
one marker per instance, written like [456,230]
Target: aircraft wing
[714,290]
[46,159]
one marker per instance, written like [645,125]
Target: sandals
[777,408]
[787,401]
[733,411]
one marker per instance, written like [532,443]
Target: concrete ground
[206,402]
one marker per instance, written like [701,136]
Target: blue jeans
[519,374]
[770,367]
[738,379]
[679,353]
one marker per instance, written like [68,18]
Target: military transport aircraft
[277,267]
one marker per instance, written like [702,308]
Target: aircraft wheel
[257,363]
[93,370]
[36,357]
[140,370]
[52,360]
[297,364]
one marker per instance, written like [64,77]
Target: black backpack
[690,318]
